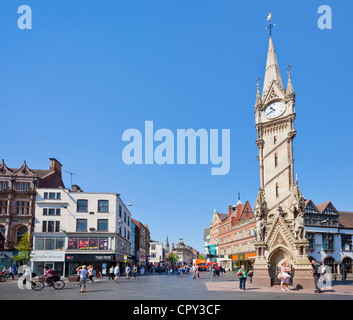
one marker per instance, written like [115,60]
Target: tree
[173,258]
[24,249]
[200,256]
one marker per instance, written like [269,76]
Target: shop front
[7,259]
[243,258]
[100,262]
[51,259]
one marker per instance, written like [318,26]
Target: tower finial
[289,70]
[270,25]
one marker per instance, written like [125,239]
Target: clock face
[274,110]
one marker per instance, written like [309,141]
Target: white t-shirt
[116,270]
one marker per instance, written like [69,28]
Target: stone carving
[260,229]
[299,228]
[260,207]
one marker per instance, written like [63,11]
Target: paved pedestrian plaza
[164,287]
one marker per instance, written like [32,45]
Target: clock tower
[279,207]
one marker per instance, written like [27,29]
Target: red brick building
[233,235]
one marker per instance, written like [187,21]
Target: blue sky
[88,70]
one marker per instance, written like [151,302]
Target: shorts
[285,280]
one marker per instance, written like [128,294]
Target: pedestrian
[134,272]
[198,272]
[193,269]
[251,273]
[111,273]
[316,273]
[116,273]
[242,274]
[285,276]
[83,277]
[127,272]
[90,273]
[10,273]
[98,274]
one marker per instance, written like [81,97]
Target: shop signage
[42,256]
[89,257]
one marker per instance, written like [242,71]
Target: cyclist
[52,276]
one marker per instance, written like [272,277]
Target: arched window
[20,232]
[347,265]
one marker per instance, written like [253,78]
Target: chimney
[76,188]
[55,166]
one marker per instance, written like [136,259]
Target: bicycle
[38,285]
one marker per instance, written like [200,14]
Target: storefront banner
[43,256]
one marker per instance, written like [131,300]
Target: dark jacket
[316,268]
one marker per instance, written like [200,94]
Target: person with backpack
[242,274]
[52,275]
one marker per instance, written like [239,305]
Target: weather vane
[258,82]
[289,70]
[270,25]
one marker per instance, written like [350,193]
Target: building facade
[73,227]
[142,241]
[235,236]
[330,234]
[156,252]
[18,189]
[184,252]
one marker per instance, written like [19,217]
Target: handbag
[280,276]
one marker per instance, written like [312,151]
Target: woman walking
[242,274]
[90,273]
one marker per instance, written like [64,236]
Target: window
[22,208]
[124,232]
[88,243]
[119,229]
[52,243]
[311,238]
[274,139]
[81,225]
[51,195]
[120,211]
[45,195]
[277,190]
[3,207]
[128,221]
[58,196]
[52,212]
[276,160]
[82,205]
[124,216]
[328,242]
[51,226]
[102,225]
[103,205]
[4,185]
[20,233]
[347,243]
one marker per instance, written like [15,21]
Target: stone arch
[279,255]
